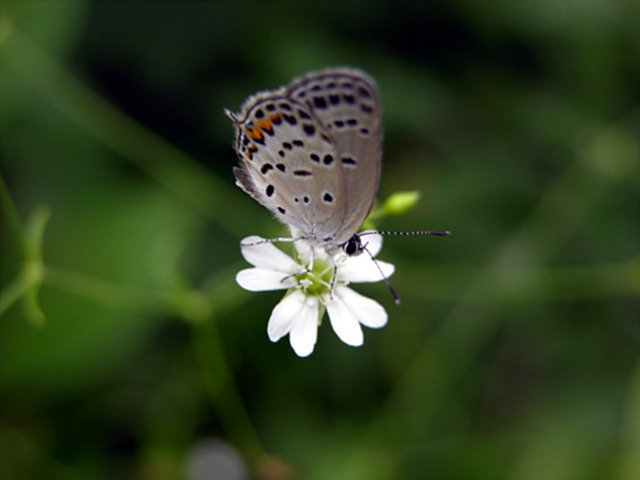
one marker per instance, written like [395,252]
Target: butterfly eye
[353,246]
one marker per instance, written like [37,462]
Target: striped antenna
[360,247]
[421,232]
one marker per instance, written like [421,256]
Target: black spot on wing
[320,103]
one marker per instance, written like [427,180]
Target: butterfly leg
[267,240]
[333,277]
[305,271]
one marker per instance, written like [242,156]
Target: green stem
[28,241]
[223,392]
[103,291]
[12,292]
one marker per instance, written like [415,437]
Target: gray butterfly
[311,153]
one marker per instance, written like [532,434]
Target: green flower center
[317,282]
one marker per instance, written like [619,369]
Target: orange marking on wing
[254,134]
[248,153]
[265,125]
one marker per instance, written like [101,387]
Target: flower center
[317,282]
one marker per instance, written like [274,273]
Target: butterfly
[311,153]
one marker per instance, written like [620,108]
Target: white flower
[301,310]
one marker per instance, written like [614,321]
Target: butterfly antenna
[395,296]
[421,232]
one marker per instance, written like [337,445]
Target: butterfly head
[353,246]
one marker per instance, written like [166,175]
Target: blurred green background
[128,351]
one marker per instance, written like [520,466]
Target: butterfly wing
[310,153]
[288,165]
[345,103]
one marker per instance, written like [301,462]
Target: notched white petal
[263,254]
[284,315]
[304,333]
[367,311]
[262,279]
[344,322]
[362,269]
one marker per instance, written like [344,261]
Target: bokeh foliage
[125,344]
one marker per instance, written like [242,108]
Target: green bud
[400,203]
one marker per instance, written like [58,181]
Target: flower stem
[226,398]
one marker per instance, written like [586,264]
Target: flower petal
[284,315]
[262,279]
[260,253]
[343,321]
[296,315]
[304,333]
[372,241]
[367,311]
[363,269]
[304,249]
